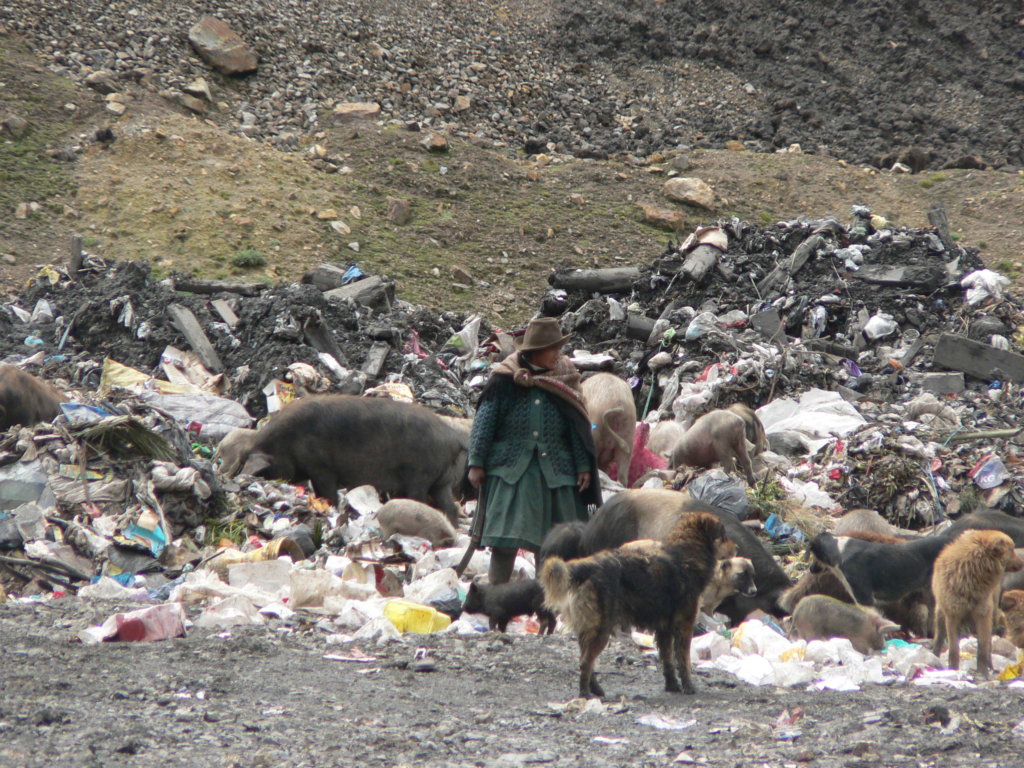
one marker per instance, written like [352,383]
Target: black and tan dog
[656,587]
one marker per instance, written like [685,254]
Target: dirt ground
[266,696]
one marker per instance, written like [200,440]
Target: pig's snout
[1016,564]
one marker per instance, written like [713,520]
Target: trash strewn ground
[884,363]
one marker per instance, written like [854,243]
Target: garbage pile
[884,363]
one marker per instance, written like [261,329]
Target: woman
[531,450]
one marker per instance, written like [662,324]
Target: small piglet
[819,617]
[503,602]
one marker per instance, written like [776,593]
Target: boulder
[399,211]
[435,142]
[102,81]
[221,47]
[16,126]
[357,110]
[689,190]
[670,219]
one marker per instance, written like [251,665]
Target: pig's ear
[256,463]
[890,629]
[1008,602]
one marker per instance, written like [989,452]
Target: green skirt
[520,514]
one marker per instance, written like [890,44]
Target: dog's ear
[1010,600]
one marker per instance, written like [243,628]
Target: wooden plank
[75,262]
[186,322]
[226,313]
[982,361]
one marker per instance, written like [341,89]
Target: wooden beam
[186,322]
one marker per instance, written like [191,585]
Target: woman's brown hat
[542,333]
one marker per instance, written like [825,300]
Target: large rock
[357,110]
[689,190]
[399,211]
[102,81]
[221,47]
[15,125]
[671,219]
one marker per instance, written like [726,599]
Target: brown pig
[611,409]
[819,617]
[664,436]
[414,518]
[721,437]
[24,399]
[1012,605]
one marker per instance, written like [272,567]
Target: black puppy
[877,571]
[503,602]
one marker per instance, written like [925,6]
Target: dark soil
[862,78]
[267,697]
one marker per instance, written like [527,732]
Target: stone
[116,107]
[735,146]
[327,214]
[8,258]
[21,211]
[221,47]
[577,199]
[341,227]
[670,219]
[15,126]
[200,89]
[356,110]
[943,383]
[102,81]
[435,142]
[399,211]
[690,190]
[462,103]
[462,275]
[193,104]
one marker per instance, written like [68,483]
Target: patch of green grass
[248,258]
[218,529]
[90,242]
[764,218]
[954,236]
[932,180]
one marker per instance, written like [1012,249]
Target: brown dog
[966,582]
[720,437]
[733,576]
[25,400]
[1012,604]
[657,588]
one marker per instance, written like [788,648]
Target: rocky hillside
[860,80]
[501,139]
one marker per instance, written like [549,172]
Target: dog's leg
[953,633]
[591,645]
[663,638]
[983,628]
[939,639]
[683,636]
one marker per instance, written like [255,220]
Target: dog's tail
[554,577]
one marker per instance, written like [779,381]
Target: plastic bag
[880,325]
[989,472]
[701,325]
[720,490]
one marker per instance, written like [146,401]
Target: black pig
[341,441]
